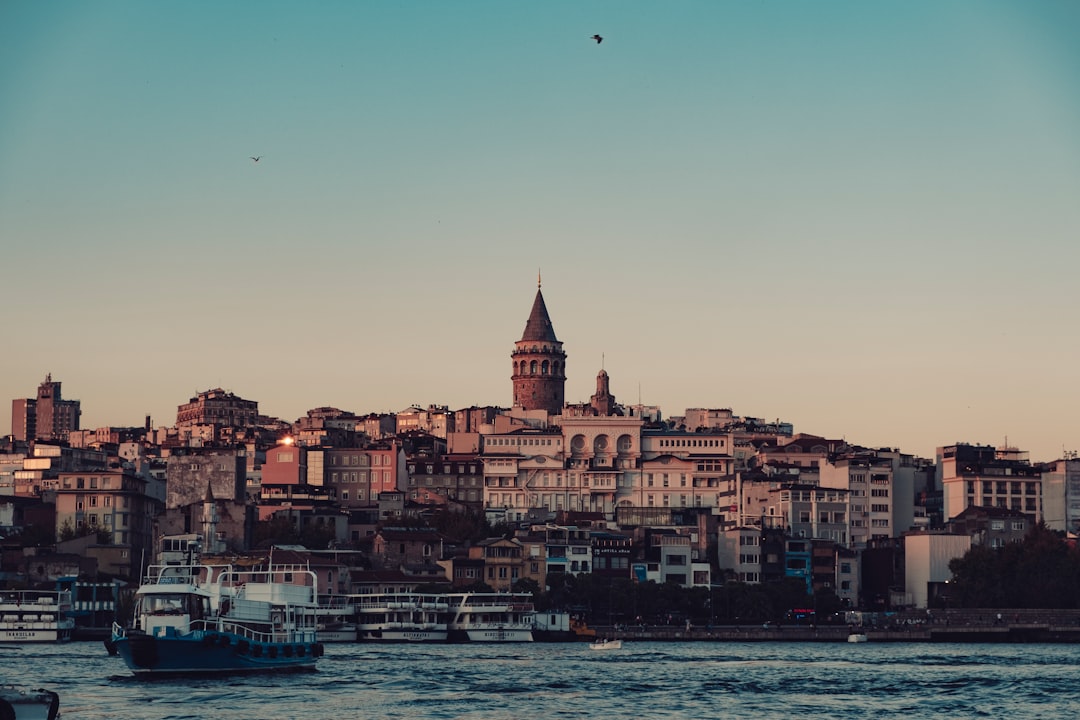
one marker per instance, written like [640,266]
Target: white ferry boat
[335,619]
[28,616]
[491,617]
[401,617]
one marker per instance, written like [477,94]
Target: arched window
[532,368]
[555,368]
[544,368]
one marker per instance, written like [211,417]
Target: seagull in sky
[257,159]
[597,38]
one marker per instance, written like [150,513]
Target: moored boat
[856,638]
[335,619]
[25,704]
[401,617]
[31,616]
[491,617]
[217,619]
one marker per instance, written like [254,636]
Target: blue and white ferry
[196,618]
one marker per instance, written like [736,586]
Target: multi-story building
[114,502]
[982,475]
[357,476]
[815,512]
[395,547]
[503,560]
[285,464]
[46,461]
[1061,494]
[459,479]
[47,417]
[991,526]
[868,480]
[217,407]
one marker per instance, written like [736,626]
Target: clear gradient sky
[862,218]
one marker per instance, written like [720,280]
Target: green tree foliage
[606,601]
[458,526]
[1042,571]
[278,530]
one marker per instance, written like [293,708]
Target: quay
[937,626]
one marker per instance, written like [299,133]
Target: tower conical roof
[539,328]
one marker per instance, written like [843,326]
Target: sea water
[642,681]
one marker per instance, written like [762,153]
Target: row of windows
[526,441]
[545,367]
[693,442]
[447,469]
[1029,504]
[360,459]
[1005,487]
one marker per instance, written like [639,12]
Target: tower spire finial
[537,278]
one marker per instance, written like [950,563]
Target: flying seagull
[597,38]
[257,159]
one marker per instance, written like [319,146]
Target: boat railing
[47,598]
[204,627]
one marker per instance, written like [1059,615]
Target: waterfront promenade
[990,625]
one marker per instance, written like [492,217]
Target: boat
[335,619]
[24,704]
[856,638]
[401,617]
[605,644]
[203,619]
[32,616]
[491,617]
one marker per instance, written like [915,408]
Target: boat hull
[402,635]
[29,704]
[490,635]
[22,635]
[216,653]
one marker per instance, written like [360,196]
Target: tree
[1041,571]
[278,530]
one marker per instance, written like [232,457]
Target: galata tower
[539,363]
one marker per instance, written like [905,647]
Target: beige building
[982,475]
[113,502]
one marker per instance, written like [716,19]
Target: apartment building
[989,477]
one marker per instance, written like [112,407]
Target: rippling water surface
[644,680]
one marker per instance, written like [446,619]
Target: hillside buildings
[591,487]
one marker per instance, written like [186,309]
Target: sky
[859,218]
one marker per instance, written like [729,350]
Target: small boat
[35,616]
[605,644]
[207,619]
[22,704]
[856,638]
[491,617]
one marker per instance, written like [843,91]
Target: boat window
[163,604]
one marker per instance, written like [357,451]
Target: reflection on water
[643,680]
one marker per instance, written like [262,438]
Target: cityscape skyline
[857,219]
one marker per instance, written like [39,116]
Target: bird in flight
[597,38]
[257,159]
